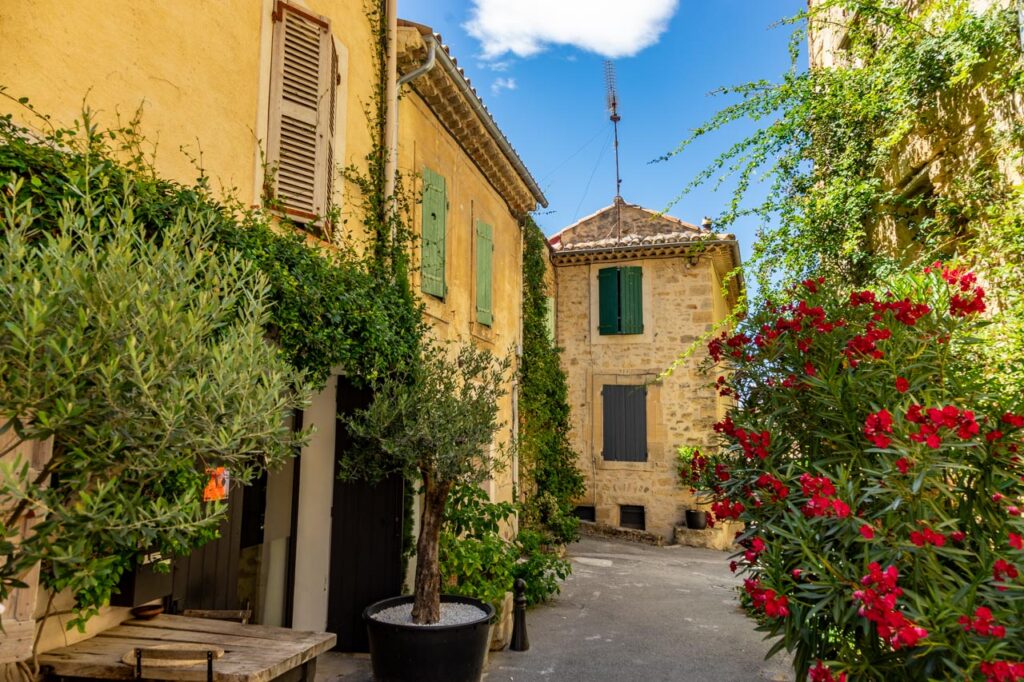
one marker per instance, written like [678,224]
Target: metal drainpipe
[391,100]
[391,168]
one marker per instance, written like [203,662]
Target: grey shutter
[625,423]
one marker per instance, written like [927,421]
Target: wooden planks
[252,653]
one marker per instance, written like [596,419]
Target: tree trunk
[426,608]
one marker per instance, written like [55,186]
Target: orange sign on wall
[217,487]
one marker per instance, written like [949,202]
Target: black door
[208,577]
[366,540]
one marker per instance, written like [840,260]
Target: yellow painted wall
[423,142]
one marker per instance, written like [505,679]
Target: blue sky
[554,113]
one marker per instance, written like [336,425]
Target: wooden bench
[252,653]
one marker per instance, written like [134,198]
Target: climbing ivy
[551,481]
[828,140]
[330,308]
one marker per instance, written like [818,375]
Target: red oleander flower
[1001,570]
[820,673]
[958,536]
[867,531]
[902,385]
[878,604]
[927,537]
[773,604]
[1002,671]
[982,623]
[1014,420]
[903,465]
[1016,541]
[809,369]
[876,426]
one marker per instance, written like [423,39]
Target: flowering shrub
[879,481]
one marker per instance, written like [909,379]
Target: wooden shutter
[631,301]
[625,423]
[484,277]
[302,106]
[435,210]
[608,300]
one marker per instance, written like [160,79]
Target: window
[303,101]
[620,291]
[632,516]
[625,423]
[484,277]
[585,512]
[435,219]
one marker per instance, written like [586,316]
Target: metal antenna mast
[613,109]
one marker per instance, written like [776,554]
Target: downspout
[395,84]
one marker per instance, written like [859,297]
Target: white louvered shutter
[300,144]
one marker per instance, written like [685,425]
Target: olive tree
[140,350]
[434,425]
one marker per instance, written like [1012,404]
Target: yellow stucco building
[271,96]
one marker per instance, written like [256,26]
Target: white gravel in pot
[452,613]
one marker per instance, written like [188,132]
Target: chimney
[706,223]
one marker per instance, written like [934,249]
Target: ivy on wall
[329,309]
[550,478]
[829,139]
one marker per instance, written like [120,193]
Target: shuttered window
[303,103]
[435,221]
[620,296]
[625,423]
[484,275]
[632,516]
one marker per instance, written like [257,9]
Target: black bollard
[520,640]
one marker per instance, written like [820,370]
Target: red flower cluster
[902,385]
[865,345]
[876,426]
[1001,570]
[1002,671]
[722,387]
[949,417]
[969,298]
[983,623]
[905,311]
[765,599]
[727,510]
[867,531]
[812,284]
[822,500]
[1014,420]
[778,488]
[878,601]
[754,548]
[754,444]
[927,537]
[820,673]
[1016,541]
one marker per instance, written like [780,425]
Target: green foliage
[867,436]
[477,561]
[829,138]
[328,308]
[436,422]
[145,359]
[550,478]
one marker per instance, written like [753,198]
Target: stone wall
[679,302]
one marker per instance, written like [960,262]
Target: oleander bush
[879,478]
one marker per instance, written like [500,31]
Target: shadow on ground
[632,613]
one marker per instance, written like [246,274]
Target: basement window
[586,512]
[632,516]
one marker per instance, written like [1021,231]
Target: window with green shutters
[484,276]
[549,316]
[621,301]
[435,210]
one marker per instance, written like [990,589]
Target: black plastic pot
[697,520]
[428,653]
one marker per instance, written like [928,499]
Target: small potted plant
[435,426]
[692,469]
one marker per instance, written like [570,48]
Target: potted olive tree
[435,426]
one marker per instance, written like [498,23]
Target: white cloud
[612,28]
[503,84]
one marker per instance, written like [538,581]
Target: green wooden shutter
[549,316]
[631,299]
[435,208]
[484,259]
[608,295]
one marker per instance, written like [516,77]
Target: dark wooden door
[208,577]
[366,540]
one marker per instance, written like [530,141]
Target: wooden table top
[252,653]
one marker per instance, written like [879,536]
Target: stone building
[634,289]
[284,84]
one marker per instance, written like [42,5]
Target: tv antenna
[613,110]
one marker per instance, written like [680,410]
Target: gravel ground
[451,614]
